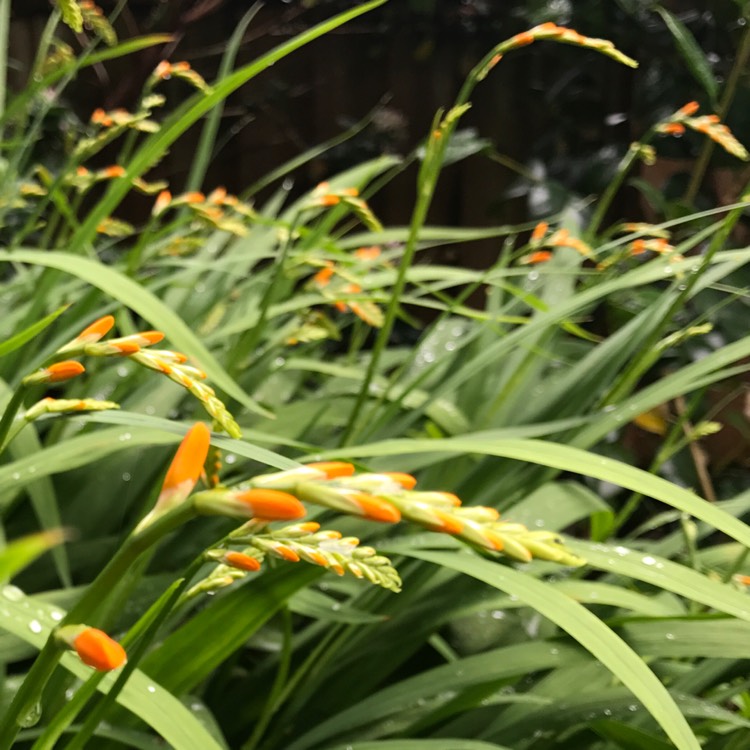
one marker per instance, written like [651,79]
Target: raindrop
[13,593]
[32,469]
[279,362]
[122,371]
[498,614]
[150,409]
[669,636]
[539,523]
[31,717]
[151,689]
[648,560]
[533,276]
[15,475]
[126,477]
[56,616]
[35,626]
[125,437]
[230,458]
[554,651]
[622,551]
[632,707]
[667,270]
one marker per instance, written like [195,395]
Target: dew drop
[35,626]
[230,458]
[533,276]
[15,476]
[151,689]
[622,551]
[125,437]
[122,371]
[648,560]
[56,616]
[126,476]
[13,593]
[632,707]
[498,614]
[669,636]
[31,717]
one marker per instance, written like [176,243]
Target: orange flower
[540,256]
[163,70]
[374,508]
[81,171]
[181,67]
[638,247]
[688,109]
[161,203]
[407,481]
[673,128]
[96,649]
[241,561]
[186,466]
[55,373]
[287,553]
[114,171]
[329,200]
[539,231]
[367,253]
[323,277]
[96,330]
[194,197]
[271,505]
[522,39]
[333,469]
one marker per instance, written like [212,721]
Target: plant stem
[701,164]
[4,28]
[10,414]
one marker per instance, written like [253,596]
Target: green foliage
[605,609]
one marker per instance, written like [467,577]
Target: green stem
[701,164]
[9,415]
[30,691]
[615,184]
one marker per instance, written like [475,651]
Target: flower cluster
[303,541]
[336,284]
[135,347]
[182,70]
[324,196]
[541,240]
[709,125]
[552,32]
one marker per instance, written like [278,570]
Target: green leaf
[587,629]
[175,723]
[487,667]
[17,341]
[215,633]
[22,552]
[691,53]
[441,744]
[668,575]
[147,305]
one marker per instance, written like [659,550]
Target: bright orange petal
[376,509]
[187,464]
[96,330]
[407,481]
[60,371]
[99,651]
[333,469]
[272,505]
[242,561]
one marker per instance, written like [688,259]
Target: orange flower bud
[150,337]
[539,231]
[82,171]
[163,69]
[522,39]
[96,330]
[96,649]
[241,561]
[333,469]
[407,481]
[114,171]
[126,348]
[161,203]
[181,67]
[368,253]
[540,256]
[187,464]
[638,247]
[673,128]
[329,200]
[271,505]
[374,508]
[287,553]
[55,373]
[194,197]
[448,523]
[323,277]
[98,115]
